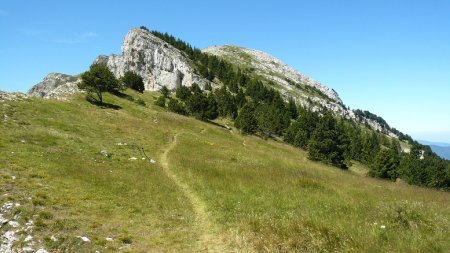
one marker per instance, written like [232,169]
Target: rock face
[56,85]
[154,59]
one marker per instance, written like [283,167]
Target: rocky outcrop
[56,85]
[154,59]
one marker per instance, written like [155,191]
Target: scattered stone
[53,238]
[383,226]
[23,141]
[28,238]
[12,96]
[42,251]
[27,249]
[152,161]
[132,158]
[3,220]
[109,239]
[143,158]
[84,238]
[13,224]
[7,241]
[121,144]
[104,153]
[13,177]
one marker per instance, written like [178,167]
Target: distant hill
[440,144]
[440,148]
[443,152]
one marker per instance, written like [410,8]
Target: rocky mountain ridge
[159,63]
[154,59]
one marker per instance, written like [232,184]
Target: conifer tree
[325,145]
[246,121]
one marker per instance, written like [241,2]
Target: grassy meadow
[78,170]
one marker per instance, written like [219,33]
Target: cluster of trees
[258,109]
[368,115]
[192,101]
[99,79]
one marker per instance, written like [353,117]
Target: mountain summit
[161,64]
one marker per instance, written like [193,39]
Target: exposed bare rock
[154,59]
[56,85]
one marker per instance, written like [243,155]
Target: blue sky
[389,57]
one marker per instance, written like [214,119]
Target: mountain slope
[76,170]
[289,81]
[160,63]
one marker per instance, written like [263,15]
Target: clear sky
[391,57]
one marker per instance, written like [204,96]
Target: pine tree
[325,145]
[225,102]
[176,106]
[385,164]
[292,108]
[133,81]
[183,93]
[246,121]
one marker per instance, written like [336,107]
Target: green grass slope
[209,190]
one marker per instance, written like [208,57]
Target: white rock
[109,239]
[132,158]
[3,220]
[27,249]
[104,152]
[28,238]
[154,59]
[7,241]
[84,238]
[42,251]
[14,224]
[55,85]
[152,161]
[53,238]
